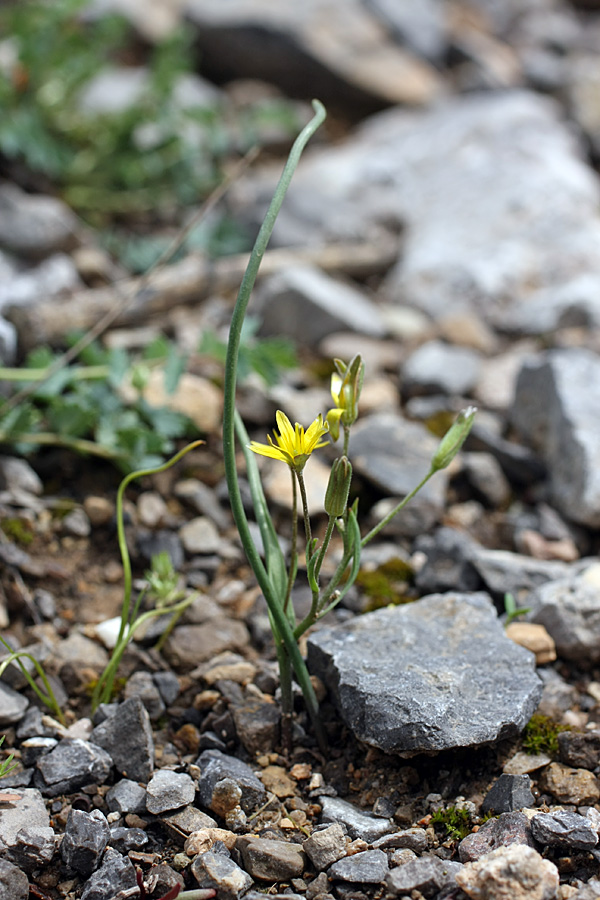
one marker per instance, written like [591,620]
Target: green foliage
[454,821]
[511,609]
[5,765]
[18,531]
[266,357]
[83,408]
[386,584]
[541,735]
[154,156]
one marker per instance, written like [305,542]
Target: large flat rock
[434,675]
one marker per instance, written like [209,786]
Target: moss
[18,531]
[454,821]
[541,735]
[387,584]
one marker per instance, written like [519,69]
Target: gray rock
[484,474]
[509,793]
[17,473]
[414,839]
[116,874]
[569,609]
[503,571]
[517,872]
[127,735]
[439,368]
[34,225]
[359,823]
[306,304]
[271,860]
[423,27]
[432,675]
[506,829]
[216,766]
[429,875]
[200,535]
[369,867]
[126,796]
[73,764]
[213,870]
[141,684]
[125,839]
[448,566]
[168,685]
[376,445]
[51,277]
[326,846]
[14,884]
[257,724]
[189,645]
[85,840]
[31,725]
[25,831]
[33,748]
[12,705]
[556,398]
[579,749]
[187,820]
[564,829]
[169,790]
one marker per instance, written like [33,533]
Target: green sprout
[5,765]
[511,609]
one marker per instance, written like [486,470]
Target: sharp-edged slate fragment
[127,735]
[433,675]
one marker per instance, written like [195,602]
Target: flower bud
[338,487]
[346,385]
[453,439]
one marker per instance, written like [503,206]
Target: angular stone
[509,793]
[378,442]
[369,867]
[439,368]
[169,790]
[127,735]
[141,684]
[565,829]
[508,828]
[359,823]
[556,398]
[14,884]
[189,645]
[436,674]
[576,786]
[429,875]
[326,846]
[569,610]
[414,839]
[213,870]
[581,750]
[85,840]
[216,766]
[126,796]
[514,872]
[73,764]
[13,705]
[114,875]
[271,860]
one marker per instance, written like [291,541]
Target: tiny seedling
[5,765]
[511,609]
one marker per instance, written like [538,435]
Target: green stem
[324,545]
[78,373]
[307,527]
[48,698]
[399,506]
[346,439]
[294,551]
[47,438]
[239,514]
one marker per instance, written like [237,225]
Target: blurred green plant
[511,609]
[455,822]
[82,407]
[5,765]
[44,693]
[541,735]
[266,357]
[156,155]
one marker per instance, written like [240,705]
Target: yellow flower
[346,385]
[294,445]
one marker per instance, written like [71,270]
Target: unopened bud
[453,439]
[338,487]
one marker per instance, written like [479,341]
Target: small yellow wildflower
[294,445]
[346,385]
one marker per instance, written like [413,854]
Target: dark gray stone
[378,442]
[509,793]
[33,748]
[508,828]
[581,750]
[125,839]
[72,764]
[448,567]
[433,675]
[271,860]
[565,829]
[429,875]
[31,725]
[569,610]
[34,847]
[14,884]
[114,875]
[141,684]
[369,867]
[556,400]
[85,840]
[126,796]
[213,870]
[411,839]
[127,735]
[168,685]
[216,766]
[359,823]
[326,846]
[169,790]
